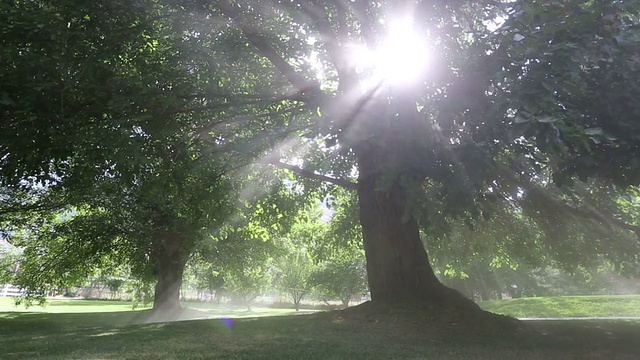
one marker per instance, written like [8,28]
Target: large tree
[234,78]
[451,132]
[121,126]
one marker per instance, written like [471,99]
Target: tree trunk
[397,265]
[398,268]
[346,301]
[170,260]
[396,139]
[297,296]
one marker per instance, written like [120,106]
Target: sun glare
[401,58]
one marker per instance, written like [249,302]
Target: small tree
[114,286]
[247,284]
[141,293]
[204,276]
[340,279]
[293,274]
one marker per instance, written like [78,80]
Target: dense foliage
[152,132]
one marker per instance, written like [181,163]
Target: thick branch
[11,209]
[346,71]
[588,212]
[298,81]
[238,119]
[312,175]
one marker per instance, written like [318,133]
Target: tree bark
[398,268]
[346,301]
[170,260]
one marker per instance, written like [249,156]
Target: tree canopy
[150,124]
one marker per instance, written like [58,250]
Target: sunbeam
[401,58]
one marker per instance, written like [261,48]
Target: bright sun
[400,59]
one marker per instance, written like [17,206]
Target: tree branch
[250,31]
[203,129]
[334,41]
[312,175]
[587,212]
[362,10]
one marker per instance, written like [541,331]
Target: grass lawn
[121,335]
[66,306]
[57,306]
[567,306]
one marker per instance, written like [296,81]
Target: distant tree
[141,291]
[114,286]
[292,272]
[205,276]
[340,279]
[247,283]
[9,261]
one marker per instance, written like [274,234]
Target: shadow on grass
[120,335]
[13,315]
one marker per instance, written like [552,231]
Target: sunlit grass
[115,335]
[567,306]
[232,311]
[58,306]
[67,306]
[561,306]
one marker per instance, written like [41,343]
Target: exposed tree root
[433,320]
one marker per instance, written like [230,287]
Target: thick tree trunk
[170,262]
[167,291]
[398,268]
[397,265]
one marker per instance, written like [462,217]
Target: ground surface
[208,310]
[567,306]
[124,335]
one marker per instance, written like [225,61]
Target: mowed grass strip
[7,304]
[543,307]
[121,335]
[567,306]
[210,310]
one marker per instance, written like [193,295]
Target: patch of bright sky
[403,56]
[495,24]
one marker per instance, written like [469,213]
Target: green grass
[57,306]
[220,311]
[110,336]
[110,330]
[66,306]
[123,335]
[567,306]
